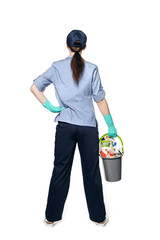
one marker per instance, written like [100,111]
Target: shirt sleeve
[45,79]
[98,92]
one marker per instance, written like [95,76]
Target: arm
[98,95]
[42,99]
[104,109]
[38,94]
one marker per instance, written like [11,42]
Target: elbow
[32,88]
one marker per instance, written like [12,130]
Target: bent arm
[38,94]
[103,107]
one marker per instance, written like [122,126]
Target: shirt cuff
[101,94]
[37,82]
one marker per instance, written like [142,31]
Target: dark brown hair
[77,63]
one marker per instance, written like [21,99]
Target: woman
[76,82]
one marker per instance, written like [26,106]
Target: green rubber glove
[51,108]
[112,132]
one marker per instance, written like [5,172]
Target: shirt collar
[70,56]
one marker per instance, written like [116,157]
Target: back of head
[76,41]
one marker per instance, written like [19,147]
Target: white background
[123,40]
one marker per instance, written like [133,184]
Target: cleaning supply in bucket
[111,151]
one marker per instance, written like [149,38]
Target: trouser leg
[88,144]
[65,144]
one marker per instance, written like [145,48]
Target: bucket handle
[116,136]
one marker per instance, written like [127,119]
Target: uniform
[77,99]
[76,124]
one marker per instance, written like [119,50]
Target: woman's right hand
[112,132]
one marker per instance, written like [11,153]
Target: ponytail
[77,63]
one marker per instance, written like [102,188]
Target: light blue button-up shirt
[76,98]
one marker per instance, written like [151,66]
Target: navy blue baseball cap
[76,35]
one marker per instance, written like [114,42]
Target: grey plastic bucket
[113,165]
[112,168]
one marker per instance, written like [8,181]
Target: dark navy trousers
[66,137]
